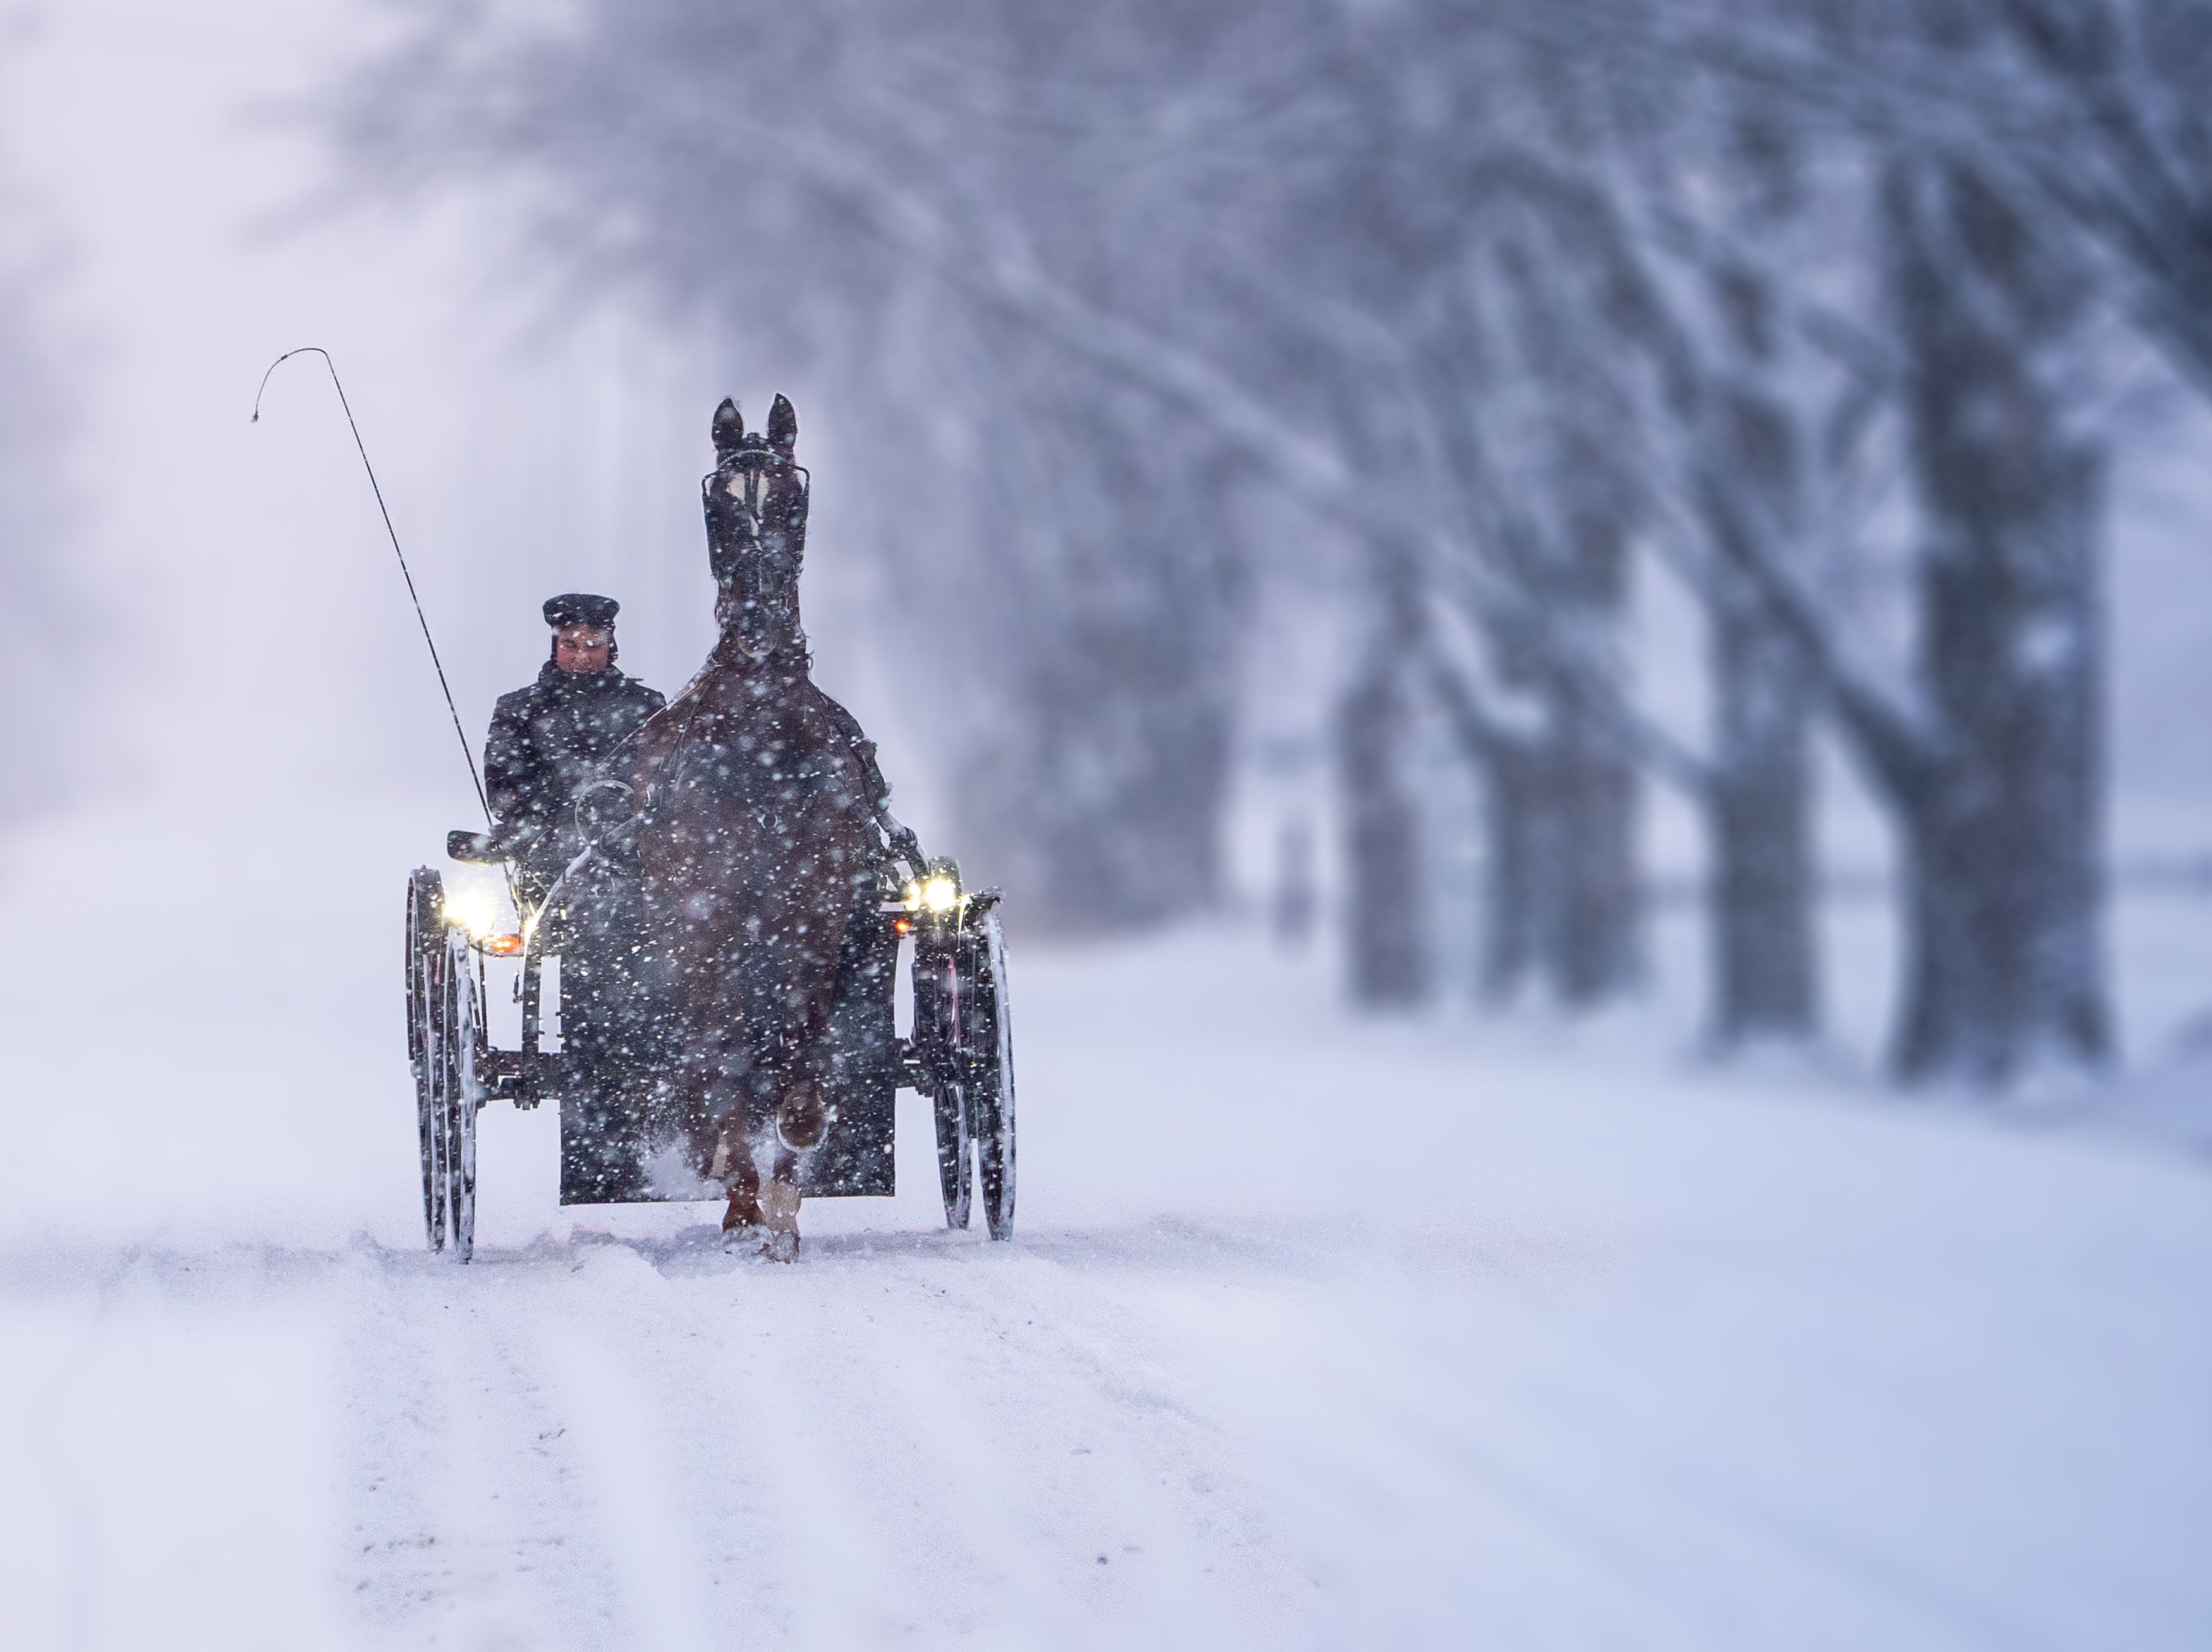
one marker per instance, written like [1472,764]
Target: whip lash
[468,755]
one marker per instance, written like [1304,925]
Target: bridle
[750,463]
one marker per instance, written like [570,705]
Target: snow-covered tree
[1990,762]
[1498,298]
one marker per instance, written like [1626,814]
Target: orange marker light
[904,925]
[503,947]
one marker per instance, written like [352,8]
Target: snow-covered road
[1315,1333]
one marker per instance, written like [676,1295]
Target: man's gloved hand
[602,805]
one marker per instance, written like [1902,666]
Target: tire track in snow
[763,1373]
[1092,1516]
[789,1385]
[1090,1447]
[483,1522]
[622,1436]
[886,1442]
[702,1344]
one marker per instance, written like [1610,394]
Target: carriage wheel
[936,1014]
[462,1090]
[952,1178]
[445,1043]
[987,1042]
[425,961]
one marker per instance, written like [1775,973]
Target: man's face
[582,649]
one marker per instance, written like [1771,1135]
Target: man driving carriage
[550,741]
[549,746]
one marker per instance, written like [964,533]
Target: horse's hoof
[744,1213]
[803,1119]
[778,1207]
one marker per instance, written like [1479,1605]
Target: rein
[673,768]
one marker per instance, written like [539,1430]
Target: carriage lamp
[476,912]
[935,893]
[472,910]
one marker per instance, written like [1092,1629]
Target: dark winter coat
[549,739]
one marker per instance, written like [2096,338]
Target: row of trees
[1491,298]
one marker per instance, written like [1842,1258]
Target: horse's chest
[764,770]
[763,776]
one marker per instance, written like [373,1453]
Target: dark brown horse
[759,844]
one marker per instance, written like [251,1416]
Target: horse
[759,842]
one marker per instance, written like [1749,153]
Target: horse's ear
[782,426]
[729,428]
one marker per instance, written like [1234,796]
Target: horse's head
[756,504]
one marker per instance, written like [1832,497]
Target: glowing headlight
[939,894]
[472,910]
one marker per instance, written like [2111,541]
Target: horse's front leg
[800,1119]
[803,1111]
[739,1172]
[717,1065]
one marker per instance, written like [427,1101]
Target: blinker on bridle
[753,456]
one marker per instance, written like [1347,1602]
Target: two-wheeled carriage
[958,1051]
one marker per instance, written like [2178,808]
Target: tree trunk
[1574,782]
[2003,894]
[1514,873]
[1596,935]
[1562,906]
[1759,799]
[1386,943]
[1760,807]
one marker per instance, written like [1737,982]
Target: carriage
[957,1051]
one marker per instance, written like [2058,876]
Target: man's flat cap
[581,608]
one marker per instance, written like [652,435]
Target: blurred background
[1550,502]
[1579,629]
